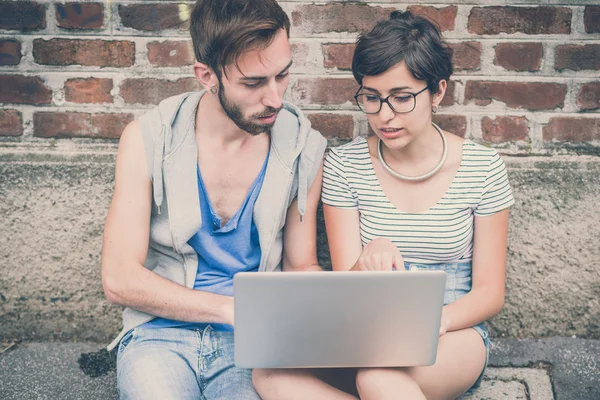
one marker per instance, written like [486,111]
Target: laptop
[337,319]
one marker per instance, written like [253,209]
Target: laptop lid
[337,319]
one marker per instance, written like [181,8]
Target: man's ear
[205,75]
[437,97]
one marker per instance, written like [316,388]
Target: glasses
[400,103]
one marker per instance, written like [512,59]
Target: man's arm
[126,233]
[300,238]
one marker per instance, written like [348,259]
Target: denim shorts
[458,283]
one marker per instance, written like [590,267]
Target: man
[207,185]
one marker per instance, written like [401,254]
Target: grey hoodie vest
[171,154]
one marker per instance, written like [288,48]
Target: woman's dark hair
[223,30]
[404,37]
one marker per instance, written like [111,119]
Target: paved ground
[533,369]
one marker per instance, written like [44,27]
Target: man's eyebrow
[391,90]
[262,78]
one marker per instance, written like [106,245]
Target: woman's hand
[380,254]
[445,323]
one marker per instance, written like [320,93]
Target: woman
[414,196]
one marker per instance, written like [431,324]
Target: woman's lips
[390,133]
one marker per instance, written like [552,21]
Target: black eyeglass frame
[386,100]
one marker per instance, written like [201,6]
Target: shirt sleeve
[497,194]
[336,189]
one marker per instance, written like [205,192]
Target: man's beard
[235,113]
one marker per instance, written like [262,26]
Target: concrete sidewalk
[534,369]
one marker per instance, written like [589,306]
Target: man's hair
[223,30]
[408,38]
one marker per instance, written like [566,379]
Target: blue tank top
[222,251]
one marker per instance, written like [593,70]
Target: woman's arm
[489,270]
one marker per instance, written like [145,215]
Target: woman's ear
[205,75]
[439,95]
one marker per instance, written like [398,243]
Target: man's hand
[380,254]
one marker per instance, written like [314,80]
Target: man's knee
[234,383]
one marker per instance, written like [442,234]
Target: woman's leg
[460,359]
[387,384]
[291,384]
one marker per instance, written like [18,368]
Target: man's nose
[272,98]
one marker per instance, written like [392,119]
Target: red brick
[504,129]
[340,17]
[101,53]
[171,53]
[10,52]
[333,125]
[152,17]
[542,20]
[88,90]
[325,91]
[529,95]
[80,15]
[456,124]
[591,19]
[152,91]
[300,53]
[11,123]
[443,18]
[519,56]
[466,55]
[22,15]
[448,99]
[24,90]
[589,96]
[572,129]
[77,124]
[338,55]
[577,58]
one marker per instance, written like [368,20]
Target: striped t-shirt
[442,234]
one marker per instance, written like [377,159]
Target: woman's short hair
[404,37]
[223,30]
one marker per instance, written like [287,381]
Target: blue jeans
[179,363]
[458,283]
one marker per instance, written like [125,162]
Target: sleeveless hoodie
[171,154]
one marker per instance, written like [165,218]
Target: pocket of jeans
[126,340]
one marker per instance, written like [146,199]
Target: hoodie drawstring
[159,155]
[302,184]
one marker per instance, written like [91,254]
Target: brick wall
[527,75]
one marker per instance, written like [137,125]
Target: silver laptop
[337,319]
